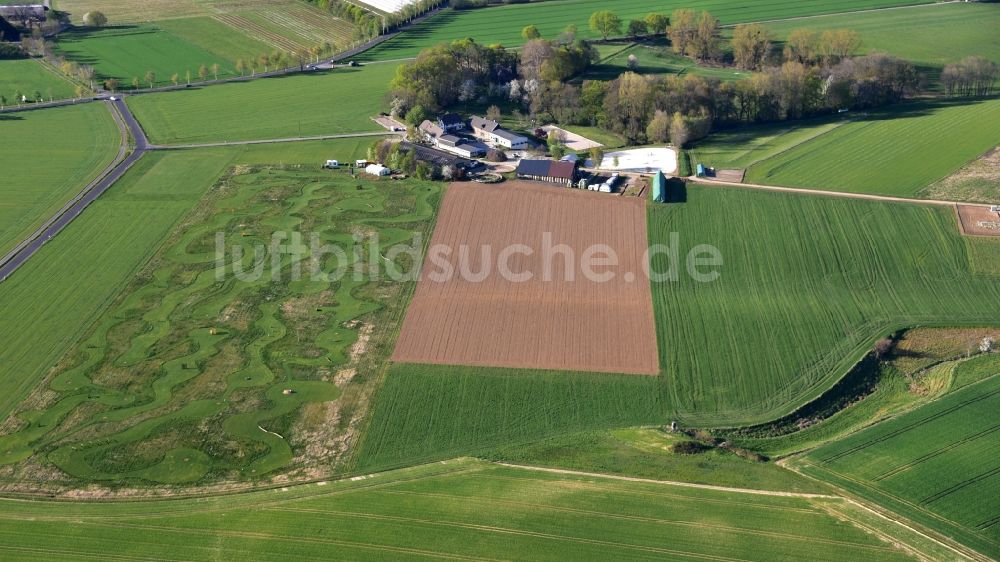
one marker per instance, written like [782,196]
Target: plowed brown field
[978,220]
[564,320]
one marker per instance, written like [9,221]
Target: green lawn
[657,59]
[215,37]
[461,510]
[896,151]
[929,36]
[936,465]
[339,101]
[128,52]
[503,24]
[57,152]
[29,77]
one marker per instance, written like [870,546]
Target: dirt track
[547,322]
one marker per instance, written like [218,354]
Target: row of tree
[753,46]
[368,23]
[972,76]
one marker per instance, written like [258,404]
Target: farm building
[550,171]
[8,32]
[430,129]
[450,122]
[24,15]
[459,146]
[660,188]
[491,132]
[377,170]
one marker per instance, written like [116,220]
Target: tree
[493,113]
[135,82]
[751,46]
[596,156]
[606,23]
[658,130]
[530,32]
[111,84]
[3,100]
[706,38]
[241,67]
[203,72]
[681,30]
[215,70]
[150,78]
[637,28]
[632,62]
[679,132]
[81,90]
[836,44]
[95,19]
[263,61]
[657,23]
[187,75]
[175,78]
[801,46]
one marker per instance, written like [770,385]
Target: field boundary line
[668,482]
[966,553]
[828,193]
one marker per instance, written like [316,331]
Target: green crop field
[897,151]
[813,280]
[456,510]
[321,103]
[743,147]
[130,52]
[503,24]
[57,152]
[32,79]
[936,465]
[202,370]
[958,30]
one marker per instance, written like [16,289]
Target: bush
[688,448]
[11,51]
[494,155]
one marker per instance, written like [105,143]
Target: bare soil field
[561,317]
[978,220]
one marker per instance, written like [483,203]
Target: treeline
[972,76]
[464,71]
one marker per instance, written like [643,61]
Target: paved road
[95,189]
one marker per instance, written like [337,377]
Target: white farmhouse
[490,131]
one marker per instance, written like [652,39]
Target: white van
[332,164]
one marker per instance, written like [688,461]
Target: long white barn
[387,5]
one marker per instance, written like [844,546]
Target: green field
[185,377]
[300,105]
[958,30]
[58,151]
[30,77]
[503,24]
[458,510]
[936,465]
[813,280]
[743,147]
[896,151]
[129,52]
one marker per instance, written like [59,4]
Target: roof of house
[512,137]
[450,139]
[487,125]
[450,119]
[546,168]
[431,128]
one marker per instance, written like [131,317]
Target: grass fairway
[936,465]
[56,153]
[458,510]
[129,52]
[503,24]
[200,371]
[29,77]
[339,101]
[958,30]
[897,151]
